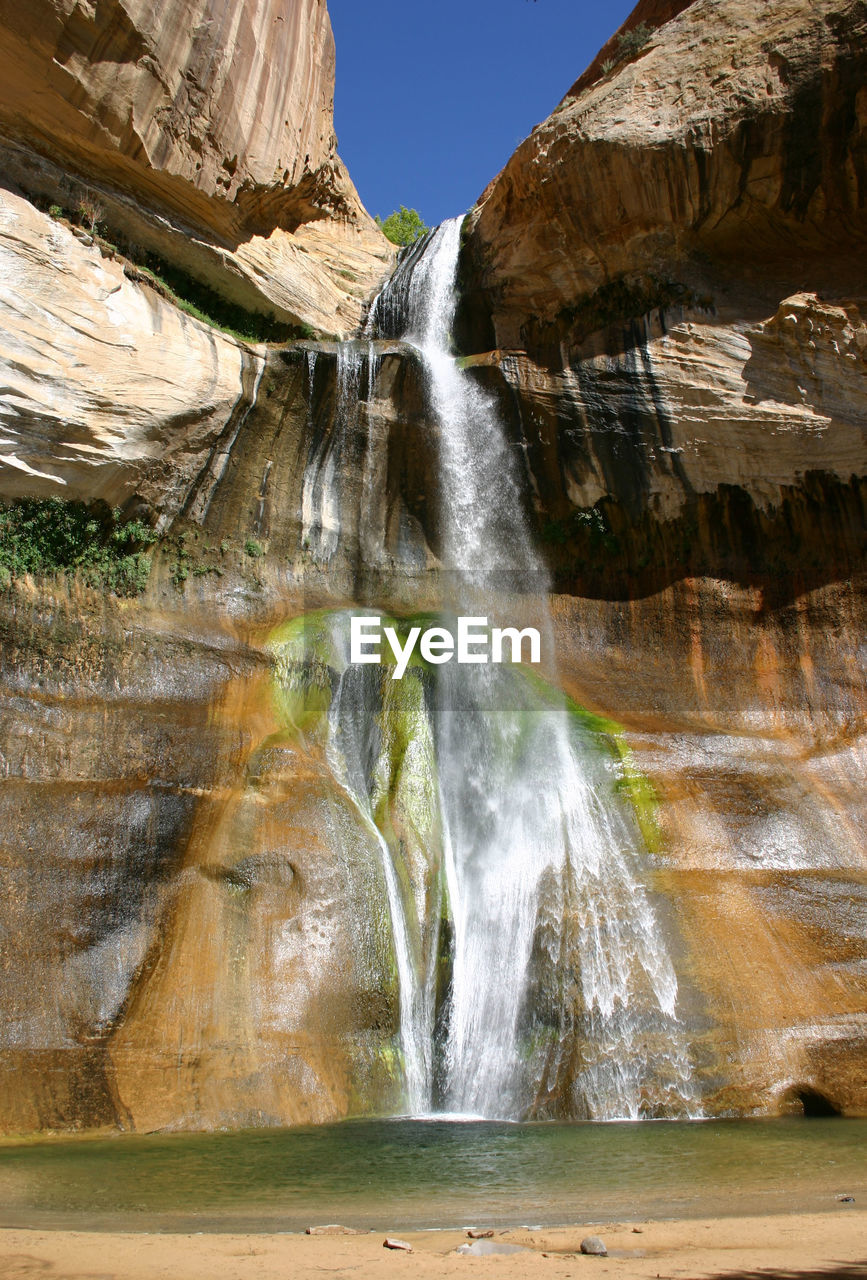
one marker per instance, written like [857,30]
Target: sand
[806,1246]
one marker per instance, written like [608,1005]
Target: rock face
[109,391]
[198,959]
[727,155]
[220,112]
[200,122]
[747,715]
[667,275]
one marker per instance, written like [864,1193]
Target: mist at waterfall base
[534,977]
[397,1175]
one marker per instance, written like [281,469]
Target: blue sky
[431,100]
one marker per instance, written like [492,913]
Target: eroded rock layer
[109,391]
[218,110]
[724,156]
[202,133]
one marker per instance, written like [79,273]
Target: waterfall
[320,500]
[352,751]
[561,996]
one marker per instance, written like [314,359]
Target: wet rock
[594,1246]
[392,1242]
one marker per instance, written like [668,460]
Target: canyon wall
[203,134]
[664,293]
[667,277]
[665,289]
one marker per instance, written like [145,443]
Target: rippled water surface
[400,1174]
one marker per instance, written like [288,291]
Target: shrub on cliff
[632,42]
[45,536]
[404,226]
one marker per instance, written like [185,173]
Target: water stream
[561,997]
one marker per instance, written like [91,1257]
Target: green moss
[309,637]
[47,536]
[631,783]
[405,799]
[540,1040]
[310,655]
[609,736]
[303,651]
[179,564]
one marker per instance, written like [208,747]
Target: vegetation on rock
[403,226]
[206,305]
[46,536]
[187,293]
[91,213]
[629,45]
[632,42]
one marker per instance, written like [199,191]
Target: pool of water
[404,1174]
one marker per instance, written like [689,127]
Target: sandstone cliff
[669,276]
[110,391]
[666,288]
[723,154]
[204,133]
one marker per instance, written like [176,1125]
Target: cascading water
[320,501]
[561,996]
[334,452]
[349,743]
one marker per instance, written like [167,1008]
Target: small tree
[91,213]
[404,226]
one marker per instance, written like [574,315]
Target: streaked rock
[108,390]
[205,133]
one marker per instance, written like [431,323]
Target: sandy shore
[793,1246]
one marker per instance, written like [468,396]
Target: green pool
[403,1174]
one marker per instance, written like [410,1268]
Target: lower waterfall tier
[186,871]
[506,876]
